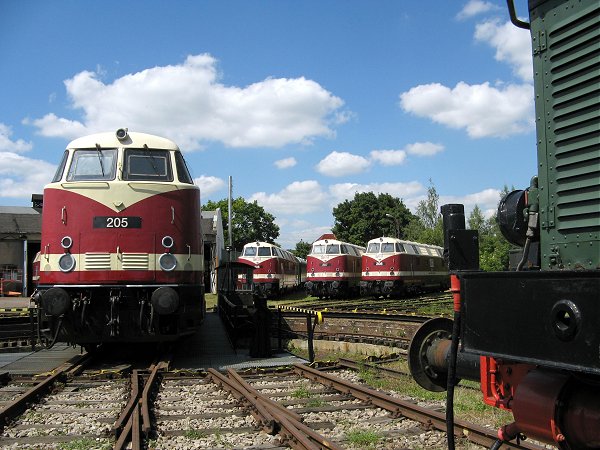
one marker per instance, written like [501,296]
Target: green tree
[476,220]
[302,249]
[493,248]
[426,226]
[250,222]
[368,216]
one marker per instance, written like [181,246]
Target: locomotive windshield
[376,247]
[264,251]
[373,247]
[93,165]
[330,249]
[387,247]
[250,251]
[147,165]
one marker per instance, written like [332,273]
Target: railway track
[294,407]
[434,304]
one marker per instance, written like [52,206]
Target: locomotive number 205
[117,222]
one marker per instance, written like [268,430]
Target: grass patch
[316,403]
[363,438]
[301,392]
[84,444]
[194,434]
[211,301]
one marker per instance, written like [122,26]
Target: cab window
[183,174]
[318,249]
[250,251]
[93,165]
[333,249]
[264,251]
[387,247]
[61,168]
[147,165]
[373,247]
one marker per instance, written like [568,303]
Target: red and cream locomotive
[275,270]
[333,268]
[392,267]
[121,252]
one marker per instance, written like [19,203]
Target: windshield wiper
[151,157]
[99,150]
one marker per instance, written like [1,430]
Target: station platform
[208,348]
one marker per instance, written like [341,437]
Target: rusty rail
[474,433]
[282,420]
[16,407]
[134,423]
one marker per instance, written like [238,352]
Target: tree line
[368,216]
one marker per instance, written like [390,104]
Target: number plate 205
[117,222]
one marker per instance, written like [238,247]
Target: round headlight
[66,242]
[167,262]
[66,262]
[168,242]
[121,134]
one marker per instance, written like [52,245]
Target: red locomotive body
[275,270]
[333,268]
[392,267]
[121,252]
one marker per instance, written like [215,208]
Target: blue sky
[303,103]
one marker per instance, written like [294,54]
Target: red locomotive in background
[333,268]
[275,270]
[392,267]
[121,251]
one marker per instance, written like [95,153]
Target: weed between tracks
[468,403]
[363,438]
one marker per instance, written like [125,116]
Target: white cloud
[481,109]
[345,191]
[338,164]
[286,163]
[424,148]
[299,197]
[209,185]
[292,231]
[187,103]
[8,145]
[512,44]
[389,157]
[475,7]
[487,200]
[20,176]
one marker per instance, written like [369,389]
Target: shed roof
[19,220]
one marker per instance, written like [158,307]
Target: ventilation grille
[97,261]
[574,50]
[135,261]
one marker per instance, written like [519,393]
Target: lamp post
[397,222]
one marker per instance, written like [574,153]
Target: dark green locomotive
[566,59]
[532,334]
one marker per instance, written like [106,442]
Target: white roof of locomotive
[335,241]
[401,241]
[260,244]
[133,139]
